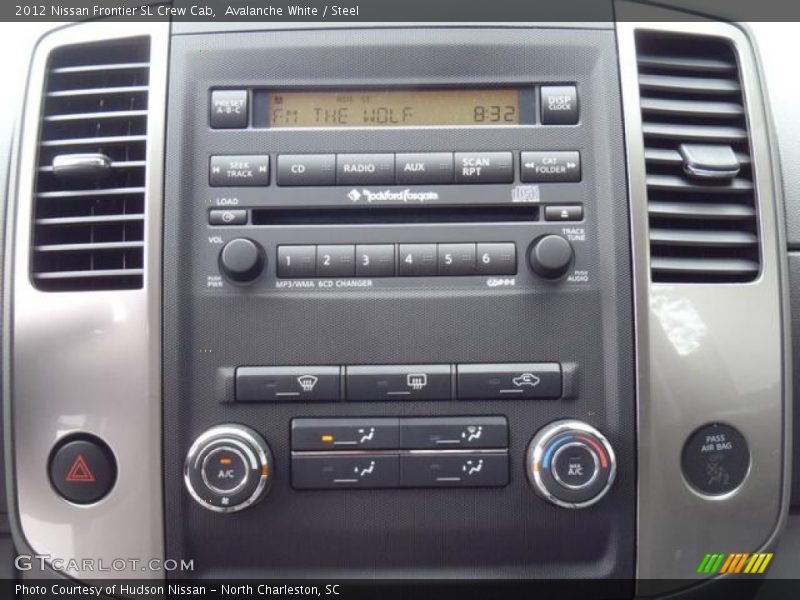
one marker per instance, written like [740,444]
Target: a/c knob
[242,260]
[551,256]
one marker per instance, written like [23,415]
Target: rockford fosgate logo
[391,196]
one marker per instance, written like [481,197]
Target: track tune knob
[551,256]
[242,260]
[228,468]
[570,464]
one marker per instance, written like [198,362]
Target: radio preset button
[398,382]
[559,105]
[417,260]
[448,433]
[496,259]
[375,260]
[442,469]
[484,167]
[228,109]
[544,167]
[563,213]
[424,168]
[516,381]
[336,261]
[306,169]
[250,170]
[237,216]
[364,169]
[287,384]
[330,471]
[297,261]
[457,259]
[345,434]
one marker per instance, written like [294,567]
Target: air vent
[88,231]
[700,185]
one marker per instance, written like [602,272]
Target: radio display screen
[393,108]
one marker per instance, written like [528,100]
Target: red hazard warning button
[82,469]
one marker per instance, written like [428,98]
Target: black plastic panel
[794,290]
[498,532]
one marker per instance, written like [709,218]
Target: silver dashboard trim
[707,353]
[87,361]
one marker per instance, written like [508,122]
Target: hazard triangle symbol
[80,471]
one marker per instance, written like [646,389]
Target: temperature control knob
[242,260]
[551,256]
[228,468]
[570,464]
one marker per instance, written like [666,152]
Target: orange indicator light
[327,438]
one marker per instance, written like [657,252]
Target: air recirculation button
[228,468]
[570,464]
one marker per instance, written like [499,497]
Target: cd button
[306,169]
[335,261]
[497,259]
[297,261]
[484,167]
[457,259]
[425,168]
[417,260]
[363,169]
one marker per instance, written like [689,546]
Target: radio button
[446,433]
[563,213]
[330,471]
[375,260]
[287,384]
[306,169]
[363,169]
[425,168]
[398,382]
[297,261]
[442,469]
[417,260]
[517,381]
[345,434]
[559,105]
[496,259]
[238,171]
[484,167]
[336,261]
[228,109]
[456,259]
[544,167]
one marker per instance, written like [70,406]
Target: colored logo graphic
[735,562]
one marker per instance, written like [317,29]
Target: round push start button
[716,459]
[82,469]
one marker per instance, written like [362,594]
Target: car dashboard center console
[400,302]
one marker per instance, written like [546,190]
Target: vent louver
[88,230]
[700,184]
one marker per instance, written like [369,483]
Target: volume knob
[242,260]
[551,256]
